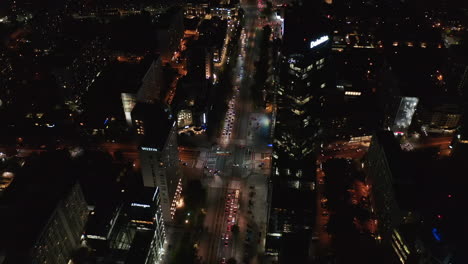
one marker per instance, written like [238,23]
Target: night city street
[233,131]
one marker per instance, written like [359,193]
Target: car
[226,243]
[324,213]
[185,164]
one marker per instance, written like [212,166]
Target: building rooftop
[142,207]
[285,197]
[158,122]
[118,78]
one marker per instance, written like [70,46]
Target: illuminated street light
[180,203]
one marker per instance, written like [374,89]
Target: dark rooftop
[118,78]
[158,122]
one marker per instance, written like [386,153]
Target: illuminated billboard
[319,41]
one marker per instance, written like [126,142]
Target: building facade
[158,152]
[61,235]
[383,166]
[303,80]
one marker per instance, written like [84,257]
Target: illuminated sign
[140,205]
[318,41]
[149,149]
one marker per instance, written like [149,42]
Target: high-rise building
[383,165]
[147,83]
[60,237]
[159,155]
[145,215]
[52,235]
[159,159]
[304,79]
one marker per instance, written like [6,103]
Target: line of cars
[229,119]
[230,212]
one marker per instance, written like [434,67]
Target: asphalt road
[235,167]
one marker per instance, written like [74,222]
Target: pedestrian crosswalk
[211,159]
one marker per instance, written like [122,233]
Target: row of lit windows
[319,64]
